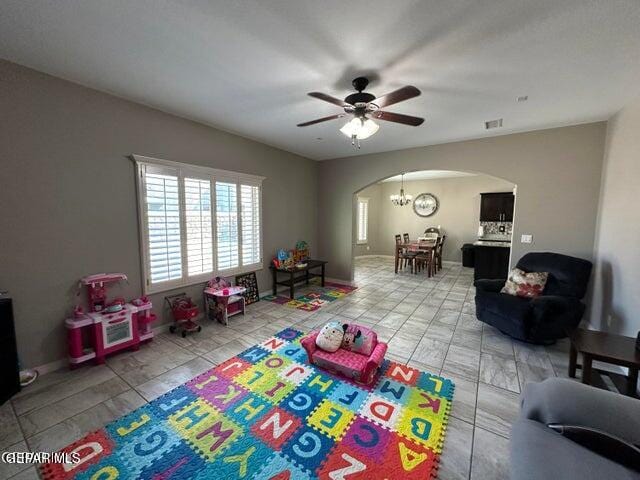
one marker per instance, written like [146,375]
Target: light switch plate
[526,238]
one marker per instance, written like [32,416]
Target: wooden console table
[604,347]
[292,275]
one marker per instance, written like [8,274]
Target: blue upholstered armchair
[545,318]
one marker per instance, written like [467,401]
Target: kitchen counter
[492,243]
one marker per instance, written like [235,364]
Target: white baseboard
[64,362]
[341,281]
[445,262]
[52,366]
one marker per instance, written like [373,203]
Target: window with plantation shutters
[227,225]
[196,223]
[163,227]
[363,220]
[250,223]
[198,228]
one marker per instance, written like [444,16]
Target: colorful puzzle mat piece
[266,414]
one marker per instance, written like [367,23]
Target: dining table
[428,246]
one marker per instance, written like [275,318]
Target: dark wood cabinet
[491,262]
[509,201]
[497,207]
[9,373]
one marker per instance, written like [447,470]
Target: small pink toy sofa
[357,360]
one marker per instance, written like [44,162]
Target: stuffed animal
[352,338]
[358,339]
[330,337]
[218,283]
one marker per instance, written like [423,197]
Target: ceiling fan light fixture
[360,128]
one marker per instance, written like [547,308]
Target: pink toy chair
[357,366]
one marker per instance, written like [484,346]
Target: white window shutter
[199,238]
[363,220]
[250,224]
[227,250]
[195,222]
[163,233]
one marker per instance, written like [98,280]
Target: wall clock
[425,205]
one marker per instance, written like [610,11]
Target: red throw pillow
[523,284]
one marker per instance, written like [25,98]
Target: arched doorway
[376,220]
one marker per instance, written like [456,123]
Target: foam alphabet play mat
[267,414]
[314,299]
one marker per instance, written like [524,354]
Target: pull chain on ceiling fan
[365,106]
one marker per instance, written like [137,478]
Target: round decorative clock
[425,205]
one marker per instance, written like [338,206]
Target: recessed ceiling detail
[245,66]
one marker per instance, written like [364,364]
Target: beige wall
[458,214]
[557,172]
[615,295]
[69,203]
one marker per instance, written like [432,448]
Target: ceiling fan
[365,106]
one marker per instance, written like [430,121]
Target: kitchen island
[491,259]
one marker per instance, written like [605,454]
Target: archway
[457,215]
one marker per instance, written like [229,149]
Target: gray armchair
[540,453]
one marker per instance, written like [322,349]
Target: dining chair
[424,260]
[406,238]
[438,253]
[406,257]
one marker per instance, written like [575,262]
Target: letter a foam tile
[267,414]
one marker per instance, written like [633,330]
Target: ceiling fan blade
[324,119]
[330,99]
[398,118]
[400,95]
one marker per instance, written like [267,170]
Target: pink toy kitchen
[108,325]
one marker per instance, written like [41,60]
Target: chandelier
[402,199]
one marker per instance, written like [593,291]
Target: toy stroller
[184,311]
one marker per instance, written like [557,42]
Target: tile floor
[429,324]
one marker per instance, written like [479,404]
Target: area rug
[267,414]
[315,299]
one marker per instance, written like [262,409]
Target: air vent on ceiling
[493,124]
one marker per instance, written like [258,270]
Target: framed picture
[250,282]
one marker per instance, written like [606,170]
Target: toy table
[293,279]
[227,302]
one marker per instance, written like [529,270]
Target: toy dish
[301,265]
[114,308]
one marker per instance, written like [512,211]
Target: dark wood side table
[292,278]
[607,348]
